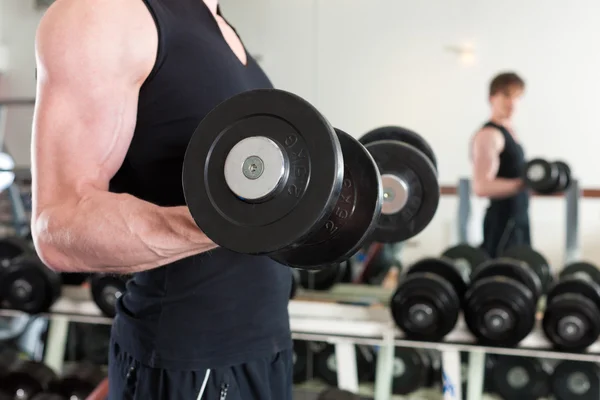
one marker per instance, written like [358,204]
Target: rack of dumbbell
[543,327]
[25,379]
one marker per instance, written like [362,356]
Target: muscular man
[122,85]
[498,162]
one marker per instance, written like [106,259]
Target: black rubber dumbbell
[323,279]
[106,290]
[575,380]
[428,300]
[413,369]
[547,177]
[520,378]
[27,378]
[572,316]
[26,284]
[78,381]
[325,364]
[12,247]
[501,302]
[377,259]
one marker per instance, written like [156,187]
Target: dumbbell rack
[571,197]
[344,326]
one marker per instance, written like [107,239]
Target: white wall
[18,22]
[366,63]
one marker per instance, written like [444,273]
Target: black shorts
[269,378]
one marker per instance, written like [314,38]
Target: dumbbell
[301,361]
[266,174]
[78,381]
[501,301]
[26,379]
[572,316]
[520,378]
[106,290]
[575,380]
[547,177]
[411,191]
[413,369]
[427,302]
[377,259]
[26,284]
[325,364]
[325,278]
[12,247]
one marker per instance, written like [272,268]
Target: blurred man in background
[498,160]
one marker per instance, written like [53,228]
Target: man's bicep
[485,155]
[86,101]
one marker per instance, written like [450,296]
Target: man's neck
[212,5]
[505,122]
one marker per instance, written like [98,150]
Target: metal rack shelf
[343,325]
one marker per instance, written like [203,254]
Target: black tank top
[218,308]
[512,164]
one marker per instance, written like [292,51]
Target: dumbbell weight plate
[535,261]
[78,381]
[411,370]
[300,358]
[353,219]
[519,378]
[465,258]
[575,380]
[28,285]
[425,306]
[325,366]
[262,172]
[27,378]
[106,290]
[572,316]
[500,304]
[564,176]
[411,191]
[323,279]
[53,396]
[541,176]
[400,134]
[582,270]
[12,247]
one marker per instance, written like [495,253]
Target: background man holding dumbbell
[498,161]
[122,85]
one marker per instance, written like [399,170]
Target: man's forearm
[107,232]
[498,188]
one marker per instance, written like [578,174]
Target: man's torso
[217,308]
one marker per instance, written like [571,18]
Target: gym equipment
[325,365]
[26,284]
[412,370]
[26,379]
[337,394]
[300,357]
[325,278]
[78,381]
[265,173]
[106,289]
[378,266]
[575,380]
[534,260]
[520,378]
[74,278]
[12,247]
[501,301]
[52,396]
[427,302]
[547,177]
[408,171]
[572,316]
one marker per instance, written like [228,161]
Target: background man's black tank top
[218,308]
[512,164]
